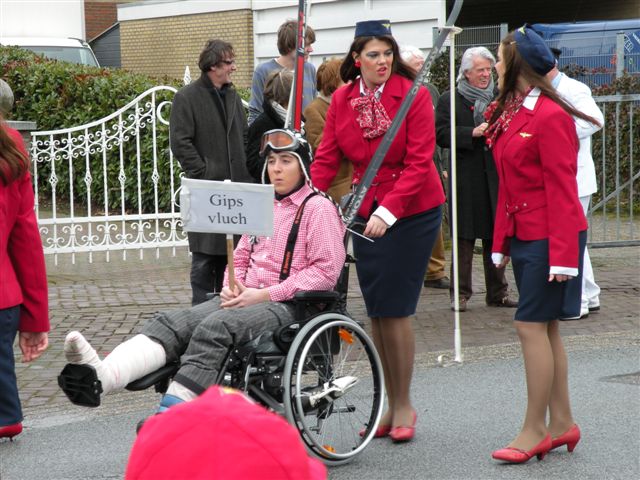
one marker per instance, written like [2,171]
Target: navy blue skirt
[540,300]
[391,270]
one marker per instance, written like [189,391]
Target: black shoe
[442,283]
[506,302]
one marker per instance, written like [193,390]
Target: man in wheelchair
[305,253]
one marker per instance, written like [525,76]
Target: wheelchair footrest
[81,385]
[161,375]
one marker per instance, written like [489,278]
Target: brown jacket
[315,115]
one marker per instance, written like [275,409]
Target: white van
[66,49]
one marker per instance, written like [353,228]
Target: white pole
[457,337]
[186,80]
[230,266]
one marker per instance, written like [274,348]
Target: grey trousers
[200,337]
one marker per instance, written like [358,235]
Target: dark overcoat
[477,179]
[209,145]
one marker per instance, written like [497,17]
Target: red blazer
[407,182]
[536,159]
[23,279]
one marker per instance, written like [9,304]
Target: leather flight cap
[534,50]
[373,28]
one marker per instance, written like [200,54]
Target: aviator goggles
[280,140]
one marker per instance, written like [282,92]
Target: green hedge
[627,140]
[59,95]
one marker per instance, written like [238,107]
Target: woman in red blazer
[23,281]
[541,227]
[402,209]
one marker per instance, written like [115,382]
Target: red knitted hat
[221,434]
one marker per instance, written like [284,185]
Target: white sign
[225,207]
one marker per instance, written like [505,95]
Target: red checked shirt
[318,255]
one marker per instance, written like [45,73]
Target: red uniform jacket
[23,280]
[536,159]
[407,182]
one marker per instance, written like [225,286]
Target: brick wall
[164,46]
[98,16]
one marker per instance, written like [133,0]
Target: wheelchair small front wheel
[333,387]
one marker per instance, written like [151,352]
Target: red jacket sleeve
[418,158]
[27,258]
[558,157]
[501,242]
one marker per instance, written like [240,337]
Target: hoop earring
[357,64]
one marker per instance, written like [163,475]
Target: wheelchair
[321,372]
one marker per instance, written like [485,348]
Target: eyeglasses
[279,140]
[228,62]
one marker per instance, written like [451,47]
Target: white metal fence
[109,185]
[613,215]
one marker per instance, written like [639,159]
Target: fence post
[504,30]
[619,55]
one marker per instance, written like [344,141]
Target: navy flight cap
[534,50]
[373,28]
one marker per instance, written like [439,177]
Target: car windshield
[80,55]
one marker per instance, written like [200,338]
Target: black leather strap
[285,270]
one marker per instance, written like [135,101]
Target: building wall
[180,28]
[99,16]
[333,21]
[106,48]
[165,45]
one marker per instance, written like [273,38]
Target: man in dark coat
[477,179]
[208,130]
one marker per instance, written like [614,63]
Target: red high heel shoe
[381,431]
[11,431]
[402,433]
[516,455]
[570,438]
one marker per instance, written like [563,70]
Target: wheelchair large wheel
[333,387]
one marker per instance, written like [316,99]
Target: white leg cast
[78,351]
[129,361]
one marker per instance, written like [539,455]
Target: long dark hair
[514,67]
[13,162]
[349,72]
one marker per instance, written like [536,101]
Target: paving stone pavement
[109,301]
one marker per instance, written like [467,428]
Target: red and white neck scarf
[372,117]
[501,124]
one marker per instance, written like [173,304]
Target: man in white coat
[579,95]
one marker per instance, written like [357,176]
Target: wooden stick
[232,278]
